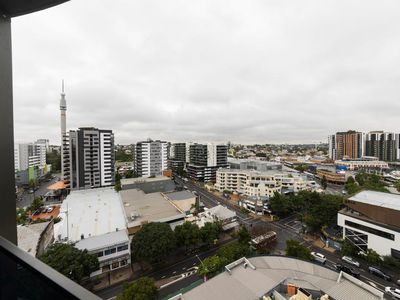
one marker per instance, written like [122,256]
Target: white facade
[106,158]
[381,244]
[254,183]
[112,250]
[29,155]
[360,164]
[151,158]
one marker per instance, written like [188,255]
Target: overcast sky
[241,71]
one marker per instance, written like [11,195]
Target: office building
[346,145]
[279,277]
[371,220]
[382,145]
[91,158]
[365,163]
[151,158]
[205,160]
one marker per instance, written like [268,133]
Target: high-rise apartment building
[205,160]
[30,161]
[382,145]
[90,158]
[151,158]
[177,157]
[345,145]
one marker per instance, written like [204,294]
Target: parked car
[347,269]
[351,261]
[50,209]
[31,191]
[395,293]
[378,272]
[318,257]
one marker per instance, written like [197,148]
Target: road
[28,198]
[184,266]
[286,229]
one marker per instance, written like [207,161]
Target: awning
[59,185]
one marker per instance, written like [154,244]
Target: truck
[263,240]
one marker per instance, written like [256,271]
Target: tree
[141,289]
[348,248]
[153,242]
[36,203]
[212,265]
[117,186]
[293,248]
[210,232]
[234,251]
[350,180]
[280,205]
[373,257]
[22,216]
[188,235]
[244,236]
[397,185]
[33,183]
[324,182]
[70,261]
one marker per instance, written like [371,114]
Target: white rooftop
[29,236]
[125,181]
[103,241]
[387,200]
[249,283]
[90,212]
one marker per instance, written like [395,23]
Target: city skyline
[287,74]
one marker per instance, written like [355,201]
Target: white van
[318,257]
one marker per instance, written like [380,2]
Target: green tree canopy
[293,248]
[153,242]
[70,261]
[141,289]
[348,248]
[324,182]
[244,236]
[54,159]
[373,257]
[210,232]
[234,251]
[36,203]
[188,235]
[212,265]
[22,216]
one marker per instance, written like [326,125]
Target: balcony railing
[24,277]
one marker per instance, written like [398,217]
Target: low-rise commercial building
[162,184]
[217,213]
[278,277]
[141,208]
[253,164]
[362,164]
[372,220]
[112,250]
[35,238]
[331,176]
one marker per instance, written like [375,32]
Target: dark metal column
[8,227]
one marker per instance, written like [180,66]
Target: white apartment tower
[151,158]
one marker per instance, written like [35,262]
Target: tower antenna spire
[63,86]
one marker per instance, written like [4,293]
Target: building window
[122,248]
[105,268]
[109,251]
[100,254]
[374,231]
[115,265]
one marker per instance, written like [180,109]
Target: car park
[351,261]
[318,257]
[379,273]
[395,293]
[347,269]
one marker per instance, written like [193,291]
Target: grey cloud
[245,71]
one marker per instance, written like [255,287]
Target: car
[395,293]
[351,261]
[31,191]
[318,257]
[50,209]
[378,272]
[347,269]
